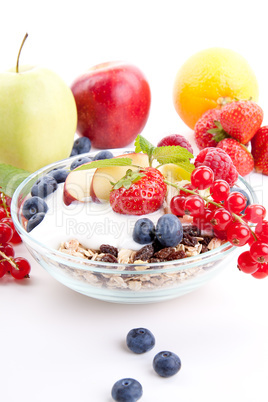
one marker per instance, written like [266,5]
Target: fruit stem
[186,190]
[17,65]
[11,262]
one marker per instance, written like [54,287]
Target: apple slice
[101,182]
[77,186]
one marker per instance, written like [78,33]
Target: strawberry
[241,157]
[259,149]
[202,136]
[241,119]
[139,193]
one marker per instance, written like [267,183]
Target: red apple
[113,102]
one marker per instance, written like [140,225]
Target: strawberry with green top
[139,193]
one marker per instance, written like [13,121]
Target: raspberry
[176,139]
[220,162]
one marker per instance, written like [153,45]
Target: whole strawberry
[202,135]
[220,162]
[139,193]
[241,157]
[259,149]
[241,119]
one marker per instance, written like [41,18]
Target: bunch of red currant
[220,210]
[18,267]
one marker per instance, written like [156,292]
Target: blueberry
[44,186]
[144,231]
[127,390]
[59,174]
[81,146]
[35,220]
[166,364]
[169,231]
[103,155]
[32,206]
[80,161]
[140,340]
[240,190]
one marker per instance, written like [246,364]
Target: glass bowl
[115,282]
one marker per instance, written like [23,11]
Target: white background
[58,345]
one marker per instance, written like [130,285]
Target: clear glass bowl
[121,283]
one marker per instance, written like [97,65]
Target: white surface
[57,345]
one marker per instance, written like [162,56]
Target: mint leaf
[103,163]
[10,178]
[188,166]
[143,145]
[171,154]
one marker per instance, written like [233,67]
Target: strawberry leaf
[171,154]
[10,178]
[129,178]
[103,163]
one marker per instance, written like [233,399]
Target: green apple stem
[17,65]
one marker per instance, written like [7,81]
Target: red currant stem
[237,217]
[4,204]
[11,262]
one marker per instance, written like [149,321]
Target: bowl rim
[100,266]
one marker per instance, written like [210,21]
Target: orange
[210,77]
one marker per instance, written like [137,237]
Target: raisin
[189,240]
[164,253]
[177,255]
[107,249]
[144,253]
[108,258]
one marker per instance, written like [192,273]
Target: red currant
[21,269]
[255,213]
[202,177]
[6,233]
[187,186]
[259,251]
[3,213]
[203,221]
[220,234]
[238,234]
[16,239]
[3,269]
[261,231]
[221,218]
[262,271]
[235,202]
[7,249]
[177,205]
[246,263]
[194,205]
[220,190]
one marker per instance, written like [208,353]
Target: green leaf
[10,178]
[171,154]
[143,145]
[103,163]
[188,166]
[129,178]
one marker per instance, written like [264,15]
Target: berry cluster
[214,207]
[18,267]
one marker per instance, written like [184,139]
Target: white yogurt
[90,223]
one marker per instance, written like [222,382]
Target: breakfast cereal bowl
[124,279]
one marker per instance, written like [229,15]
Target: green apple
[38,118]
